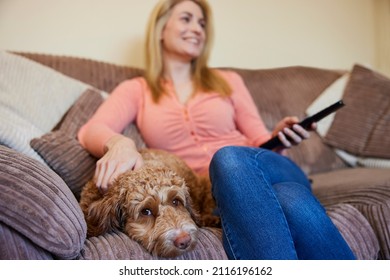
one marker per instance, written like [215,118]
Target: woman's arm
[102,137]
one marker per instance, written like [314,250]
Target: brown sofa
[39,213]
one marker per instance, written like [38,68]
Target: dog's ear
[105,215]
[191,209]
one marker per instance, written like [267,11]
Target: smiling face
[183,36]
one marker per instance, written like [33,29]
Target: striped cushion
[118,246]
[36,203]
[15,246]
[33,98]
[356,230]
[362,127]
[367,190]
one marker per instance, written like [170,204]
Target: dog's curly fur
[160,205]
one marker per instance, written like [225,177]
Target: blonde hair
[204,78]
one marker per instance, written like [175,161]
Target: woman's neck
[179,73]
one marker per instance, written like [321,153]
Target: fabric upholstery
[101,75]
[366,189]
[355,228]
[36,202]
[33,98]
[117,245]
[358,207]
[367,98]
[15,246]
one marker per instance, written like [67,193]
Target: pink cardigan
[194,131]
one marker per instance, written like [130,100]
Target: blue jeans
[268,211]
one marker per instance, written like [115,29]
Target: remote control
[306,123]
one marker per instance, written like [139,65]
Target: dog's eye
[146,212]
[176,202]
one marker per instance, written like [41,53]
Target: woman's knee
[225,168]
[233,161]
[298,202]
[227,157]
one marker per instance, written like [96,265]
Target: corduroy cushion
[356,230]
[367,190]
[118,246]
[15,246]
[62,151]
[362,127]
[35,202]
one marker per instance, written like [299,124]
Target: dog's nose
[182,241]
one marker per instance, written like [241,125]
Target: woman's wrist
[123,140]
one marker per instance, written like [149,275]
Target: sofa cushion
[356,230]
[33,98]
[101,75]
[332,94]
[62,151]
[362,127]
[36,202]
[15,246]
[366,189]
[118,246]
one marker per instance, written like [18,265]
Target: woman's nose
[196,27]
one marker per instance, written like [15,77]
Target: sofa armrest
[117,245]
[35,202]
[15,246]
[367,189]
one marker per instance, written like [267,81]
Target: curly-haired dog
[199,186]
[152,205]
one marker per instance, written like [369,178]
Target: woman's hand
[120,156]
[290,132]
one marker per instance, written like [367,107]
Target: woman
[208,118]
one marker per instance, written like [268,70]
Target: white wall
[383,35]
[249,33]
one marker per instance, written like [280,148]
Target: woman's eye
[146,212]
[185,19]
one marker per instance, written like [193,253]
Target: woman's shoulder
[131,87]
[231,76]
[227,73]
[136,81]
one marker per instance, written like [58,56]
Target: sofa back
[277,92]
[288,91]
